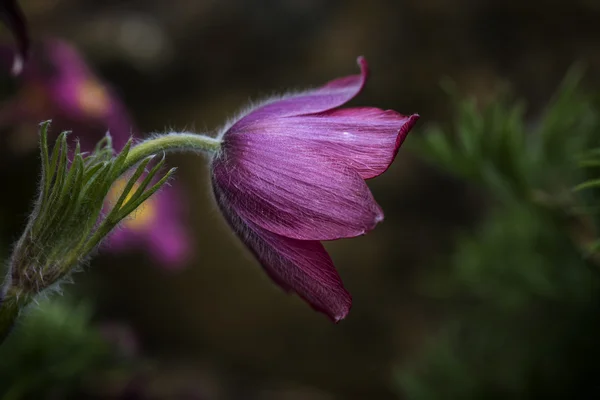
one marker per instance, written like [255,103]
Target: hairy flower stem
[183,141]
[171,142]
[9,311]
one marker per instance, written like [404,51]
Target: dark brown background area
[220,326]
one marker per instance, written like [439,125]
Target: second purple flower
[58,84]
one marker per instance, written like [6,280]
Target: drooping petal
[300,266]
[12,15]
[282,186]
[327,97]
[366,139]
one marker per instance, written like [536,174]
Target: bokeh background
[219,328]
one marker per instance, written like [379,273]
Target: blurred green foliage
[522,292]
[54,352]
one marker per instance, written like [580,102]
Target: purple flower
[13,17]
[291,173]
[57,84]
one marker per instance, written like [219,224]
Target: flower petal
[327,97]
[169,243]
[168,238]
[13,17]
[300,266]
[281,185]
[366,139]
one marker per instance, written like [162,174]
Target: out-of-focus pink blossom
[58,84]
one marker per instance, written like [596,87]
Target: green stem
[9,311]
[171,142]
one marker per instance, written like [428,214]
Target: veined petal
[300,266]
[366,139]
[279,184]
[330,96]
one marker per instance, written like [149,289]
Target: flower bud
[68,222]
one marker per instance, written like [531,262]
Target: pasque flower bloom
[58,84]
[291,173]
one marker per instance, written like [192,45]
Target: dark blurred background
[220,326]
